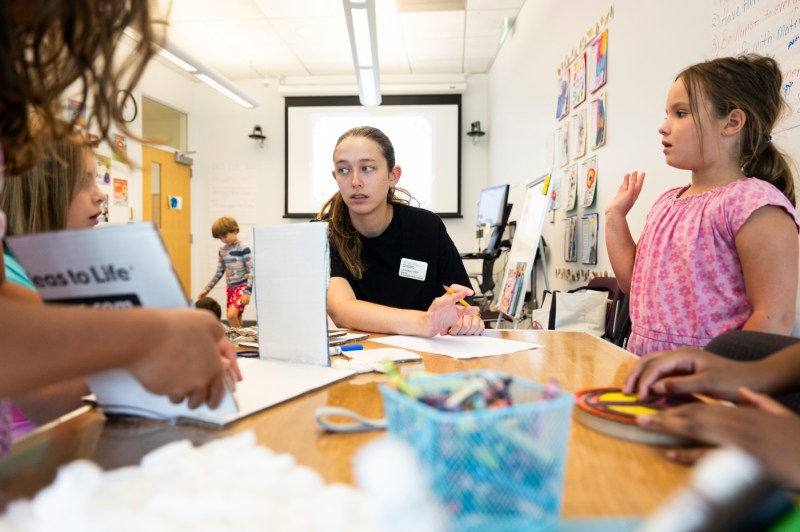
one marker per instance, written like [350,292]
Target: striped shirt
[236,263]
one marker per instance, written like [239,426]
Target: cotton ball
[64,503]
[165,457]
[390,474]
[342,508]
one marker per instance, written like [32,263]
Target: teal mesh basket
[494,469]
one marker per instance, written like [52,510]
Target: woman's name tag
[413,269]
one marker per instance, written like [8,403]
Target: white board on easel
[523,251]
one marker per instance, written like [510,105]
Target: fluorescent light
[204,73]
[360,17]
[362,36]
[177,61]
[238,97]
[368,83]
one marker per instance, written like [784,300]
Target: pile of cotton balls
[228,484]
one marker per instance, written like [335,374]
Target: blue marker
[338,350]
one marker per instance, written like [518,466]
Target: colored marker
[338,350]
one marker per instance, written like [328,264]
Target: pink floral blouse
[688,285]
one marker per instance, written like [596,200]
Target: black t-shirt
[406,265]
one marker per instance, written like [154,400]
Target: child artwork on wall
[563,144]
[589,181]
[562,107]
[599,62]
[120,148]
[578,130]
[555,193]
[103,169]
[571,180]
[598,111]
[120,192]
[578,83]
[571,239]
[589,238]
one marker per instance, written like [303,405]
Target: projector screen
[424,131]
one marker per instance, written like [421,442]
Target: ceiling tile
[487,23]
[436,67]
[481,47]
[441,25]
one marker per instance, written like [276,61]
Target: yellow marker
[450,291]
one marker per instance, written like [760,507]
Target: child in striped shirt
[236,263]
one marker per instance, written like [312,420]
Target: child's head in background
[741,98]
[225,229]
[59,192]
[210,304]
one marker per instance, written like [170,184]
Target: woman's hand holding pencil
[445,316]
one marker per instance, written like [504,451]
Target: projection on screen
[423,129]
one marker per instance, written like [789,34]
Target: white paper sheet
[458,346]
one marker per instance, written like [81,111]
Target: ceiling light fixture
[204,73]
[360,15]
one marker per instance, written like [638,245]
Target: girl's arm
[619,241]
[179,353]
[768,251]
[347,311]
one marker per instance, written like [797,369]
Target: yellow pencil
[450,291]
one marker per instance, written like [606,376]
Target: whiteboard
[766,27]
[523,250]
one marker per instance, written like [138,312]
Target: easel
[521,257]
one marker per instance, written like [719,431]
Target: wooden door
[163,180]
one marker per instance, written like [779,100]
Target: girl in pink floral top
[722,252]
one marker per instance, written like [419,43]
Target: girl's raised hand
[627,194]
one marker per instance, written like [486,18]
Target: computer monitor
[492,205]
[493,244]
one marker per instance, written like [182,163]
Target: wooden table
[604,476]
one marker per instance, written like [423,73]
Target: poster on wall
[588,181]
[571,181]
[103,169]
[120,192]
[597,129]
[589,238]
[571,239]
[562,106]
[578,80]
[598,68]
[562,138]
[120,148]
[578,130]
